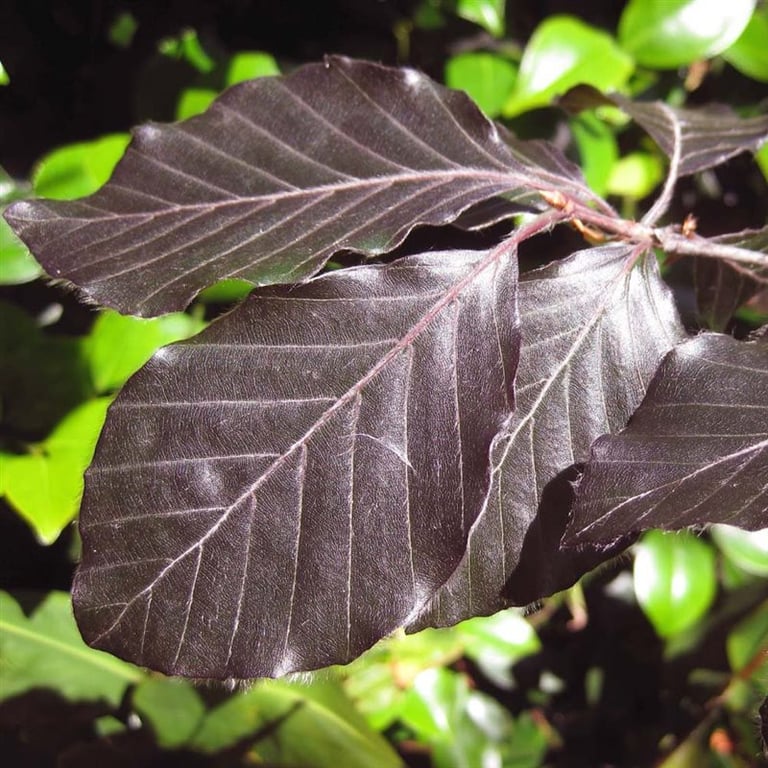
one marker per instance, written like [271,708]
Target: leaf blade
[575,322]
[705,416]
[279,174]
[355,376]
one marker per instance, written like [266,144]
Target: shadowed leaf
[276,176]
[695,452]
[285,488]
[593,334]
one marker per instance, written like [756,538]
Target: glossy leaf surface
[279,174]
[593,334]
[671,33]
[285,488]
[695,452]
[675,580]
[563,52]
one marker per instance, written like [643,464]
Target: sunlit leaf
[747,549]
[279,174]
[563,52]
[488,14]
[675,580]
[695,451]
[486,77]
[749,54]
[670,33]
[293,724]
[78,169]
[249,64]
[17,265]
[172,708]
[351,405]
[44,649]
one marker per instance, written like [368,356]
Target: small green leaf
[292,724]
[250,64]
[226,291]
[675,580]
[486,77]
[748,638]
[78,169]
[597,147]
[122,30]
[45,650]
[747,549]
[172,707]
[4,78]
[635,175]
[46,485]
[563,52]
[497,642]
[488,14]
[194,101]
[17,265]
[666,34]
[749,54]
[434,703]
[119,345]
[186,46]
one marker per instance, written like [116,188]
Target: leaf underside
[285,488]
[276,176]
[593,334]
[695,452]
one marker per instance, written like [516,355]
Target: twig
[670,239]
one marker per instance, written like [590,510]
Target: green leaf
[670,33]
[563,52]
[194,101]
[226,292]
[17,265]
[497,642]
[172,707]
[749,54]
[46,485]
[122,30]
[486,77]
[747,549]
[488,14]
[249,64]
[78,169]
[186,47]
[748,638]
[4,78]
[598,149]
[434,703]
[291,724]
[635,175]
[44,650]
[675,580]
[119,345]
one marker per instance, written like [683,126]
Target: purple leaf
[694,453]
[278,175]
[692,139]
[285,488]
[593,335]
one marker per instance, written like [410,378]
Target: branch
[670,239]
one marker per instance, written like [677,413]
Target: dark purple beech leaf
[694,453]
[284,489]
[722,287]
[694,139]
[593,335]
[278,175]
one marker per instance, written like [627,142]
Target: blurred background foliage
[658,658]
